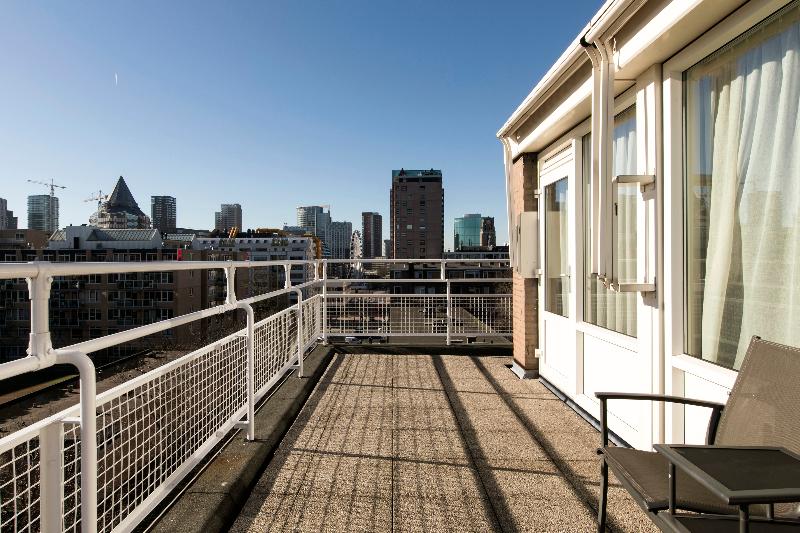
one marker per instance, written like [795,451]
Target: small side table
[738,475]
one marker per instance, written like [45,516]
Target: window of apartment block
[742,192]
[603,307]
[191,291]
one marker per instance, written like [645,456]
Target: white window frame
[679,362]
[725,31]
[623,101]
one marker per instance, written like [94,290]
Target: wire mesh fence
[361,314]
[152,430]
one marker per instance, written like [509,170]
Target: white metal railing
[104,464]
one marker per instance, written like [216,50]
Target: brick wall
[525,291]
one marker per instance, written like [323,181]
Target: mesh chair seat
[647,473]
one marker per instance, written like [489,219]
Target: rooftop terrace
[408,441]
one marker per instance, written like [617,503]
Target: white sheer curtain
[605,308]
[752,260]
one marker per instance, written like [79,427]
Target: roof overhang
[644,32]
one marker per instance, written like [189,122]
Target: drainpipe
[601,57]
[606,107]
[512,230]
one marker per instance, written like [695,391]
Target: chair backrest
[764,405]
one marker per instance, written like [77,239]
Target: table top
[740,474]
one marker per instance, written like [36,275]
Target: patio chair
[761,411]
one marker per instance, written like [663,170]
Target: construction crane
[100,197]
[52,187]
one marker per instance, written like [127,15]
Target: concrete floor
[433,443]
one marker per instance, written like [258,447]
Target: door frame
[562,162]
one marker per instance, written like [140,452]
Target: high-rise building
[417,214]
[120,211]
[371,234]
[229,216]
[7,218]
[316,219]
[43,212]
[472,231]
[163,213]
[340,235]
[488,233]
[11,221]
[387,248]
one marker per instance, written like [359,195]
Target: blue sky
[268,104]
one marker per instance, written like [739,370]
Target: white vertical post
[449,307]
[230,285]
[442,272]
[325,301]
[251,372]
[300,351]
[39,344]
[88,437]
[287,268]
[51,449]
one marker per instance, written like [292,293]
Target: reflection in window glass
[556,253]
[603,307]
[743,193]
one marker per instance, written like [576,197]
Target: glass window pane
[624,150]
[603,307]
[743,193]
[556,253]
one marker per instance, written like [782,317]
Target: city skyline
[189,114]
[386,228]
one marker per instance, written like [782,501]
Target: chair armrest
[657,397]
[716,409]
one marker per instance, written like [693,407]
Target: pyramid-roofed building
[120,211]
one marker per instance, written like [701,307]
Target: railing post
[230,284]
[442,270]
[251,371]
[300,351]
[39,343]
[325,301]
[287,283]
[51,467]
[88,396]
[449,312]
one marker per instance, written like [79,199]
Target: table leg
[744,519]
[671,488]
